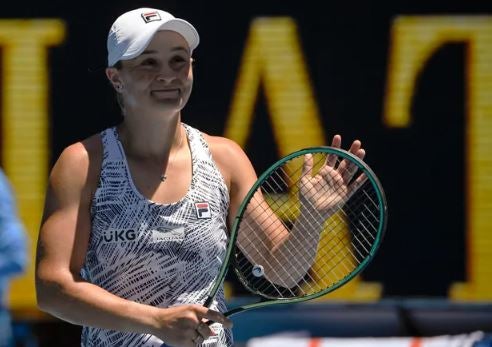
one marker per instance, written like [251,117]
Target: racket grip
[227,314]
[209,301]
[210,322]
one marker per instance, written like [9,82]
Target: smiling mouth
[166,92]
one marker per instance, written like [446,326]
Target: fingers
[356,145]
[331,177]
[307,168]
[214,316]
[361,153]
[351,168]
[204,332]
[186,325]
[348,169]
[355,148]
[337,141]
[331,160]
[198,339]
[359,181]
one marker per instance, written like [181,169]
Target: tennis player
[136,217]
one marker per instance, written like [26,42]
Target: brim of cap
[180,26]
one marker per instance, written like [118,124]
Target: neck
[151,138]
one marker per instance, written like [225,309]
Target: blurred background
[411,79]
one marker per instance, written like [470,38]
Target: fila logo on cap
[203,210]
[151,16]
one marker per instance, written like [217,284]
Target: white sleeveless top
[157,254]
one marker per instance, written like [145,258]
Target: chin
[170,104]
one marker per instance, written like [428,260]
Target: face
[160,77]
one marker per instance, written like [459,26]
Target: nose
[165,79]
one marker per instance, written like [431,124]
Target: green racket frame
[383,217]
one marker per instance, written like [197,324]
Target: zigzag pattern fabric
[157,254]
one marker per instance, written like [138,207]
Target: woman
[123,248]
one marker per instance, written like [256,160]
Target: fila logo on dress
[203,210]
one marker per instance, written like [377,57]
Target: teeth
[167,91]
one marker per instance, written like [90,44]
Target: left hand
[325,191]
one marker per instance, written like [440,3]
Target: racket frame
[265,300]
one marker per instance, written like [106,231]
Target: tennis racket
[311,222]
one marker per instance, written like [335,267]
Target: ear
[113,76]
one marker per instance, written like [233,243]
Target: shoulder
[232,161]
[79,164]
[224,149]
[80,154]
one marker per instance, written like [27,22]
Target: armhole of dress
[105,134]
[200,140]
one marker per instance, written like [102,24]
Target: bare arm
[259,222]
[61,251]
[286,255]
[321,195]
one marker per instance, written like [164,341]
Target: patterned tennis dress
[158,254]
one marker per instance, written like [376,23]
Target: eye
[149,62]
[178,61]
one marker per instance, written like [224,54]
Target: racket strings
[291,222]
[245,266]
[262,286]
[310,279]
[337,251]
[342,240]
[258,244]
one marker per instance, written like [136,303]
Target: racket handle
[209,301]
[228,314]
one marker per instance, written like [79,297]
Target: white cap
[132,32]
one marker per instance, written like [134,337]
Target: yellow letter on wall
[414,40]
[273,56]
[25,128]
